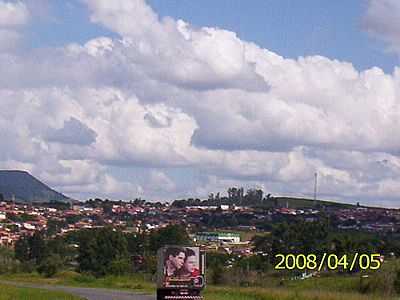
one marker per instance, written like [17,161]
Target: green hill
[293,202]
[23,187]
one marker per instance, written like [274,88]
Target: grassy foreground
[224,293]
[18,293]
[314,289]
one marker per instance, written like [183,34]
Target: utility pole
[315,186]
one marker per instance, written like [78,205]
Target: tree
[99,248]
[58,246]
[107,207]
[120,266]
[136,243]
[37,247]
[50,265]
[254,196]
[8,263]
[254,263]
[54,226]
[170,235]
[22,251]
[217,275]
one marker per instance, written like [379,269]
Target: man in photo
[175,259]
[190,266]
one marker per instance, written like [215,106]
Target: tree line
[236,196]
[99,251]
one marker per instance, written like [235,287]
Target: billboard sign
[181,267]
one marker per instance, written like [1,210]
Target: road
[88,293]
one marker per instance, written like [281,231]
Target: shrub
[8,264]
[396,282]
[50,265]
[120,266]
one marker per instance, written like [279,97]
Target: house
[221,237]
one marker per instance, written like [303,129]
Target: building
[218,237]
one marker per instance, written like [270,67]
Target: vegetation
[256,198]
[9,292]
[8,263]
[105,257]
[229,293]
[321,237]
[330,288]
[99,252]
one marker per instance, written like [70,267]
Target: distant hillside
[25,188]
[269,202]
[305,203]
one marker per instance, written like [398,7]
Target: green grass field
[329,288]
[224,293]
[17,293]
[138,282]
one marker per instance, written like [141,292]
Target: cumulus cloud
[382,20]
[312,102]
[73,132]
[128,18]
[9,39]
[159,181]
[168,97]
[13,15]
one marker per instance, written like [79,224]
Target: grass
[340,283]
[69,278]
[309,203]
[324,288]
[224,293]
[18,293]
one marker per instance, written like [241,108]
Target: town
[225,227]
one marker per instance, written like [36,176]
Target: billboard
[181,267]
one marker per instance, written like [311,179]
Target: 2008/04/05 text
[330,261]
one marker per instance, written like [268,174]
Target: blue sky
[121,99]
[290,28]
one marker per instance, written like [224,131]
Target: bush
[84,278]
[382,282]
[8,264]
[216,276]
[150,264]
[120,266]
[396,282]
[50,265]
[28,266]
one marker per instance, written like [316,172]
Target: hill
[25,188]
[293,202]
[269,202]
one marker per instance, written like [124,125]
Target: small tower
[315,187]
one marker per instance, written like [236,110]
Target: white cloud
[9,39]
[128,18]
[159,181]
[166,95]
[382,20]
[72,132]
[13,14]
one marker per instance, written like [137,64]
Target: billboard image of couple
[182,266]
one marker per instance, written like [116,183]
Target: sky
[166,100]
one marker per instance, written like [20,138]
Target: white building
[221,237]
